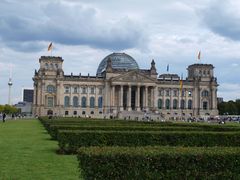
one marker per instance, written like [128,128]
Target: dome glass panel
[119,61]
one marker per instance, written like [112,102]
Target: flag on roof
[50,46]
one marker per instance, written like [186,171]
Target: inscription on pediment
[134,78]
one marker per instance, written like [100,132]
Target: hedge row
[159,163]
[70,140]
[53,129]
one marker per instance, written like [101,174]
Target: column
[113,96]
[186,99]
[43,94]
[155,98]
[121,98]
[87,102]
[79,97]
[146,98]
[151,97]
[213,98]
[35,95]
[129,97]
[71,89]
[138,98]
[57,100]
[164,99]
[96,98]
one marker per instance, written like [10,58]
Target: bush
[159,163]
[53,129]
[70,141]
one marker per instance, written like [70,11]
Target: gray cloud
[70,25]
[223,19]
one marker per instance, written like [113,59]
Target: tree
[10,109]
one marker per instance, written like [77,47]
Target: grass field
[26,152]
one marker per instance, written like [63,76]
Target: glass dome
[119,61]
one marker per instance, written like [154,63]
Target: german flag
[199,55]
[50,46]
[181,85]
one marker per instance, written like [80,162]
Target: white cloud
[84,32]
[229,91]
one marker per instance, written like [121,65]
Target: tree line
[229,108]
[8,109]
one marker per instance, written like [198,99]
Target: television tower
[10,85]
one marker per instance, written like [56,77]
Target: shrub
[159,163]
[70,140]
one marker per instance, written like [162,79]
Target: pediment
[133,76]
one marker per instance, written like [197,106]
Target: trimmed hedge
[159,163]
[53,129]
[70,141]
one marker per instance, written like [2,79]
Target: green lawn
[26,152]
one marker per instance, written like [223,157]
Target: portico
[131,97]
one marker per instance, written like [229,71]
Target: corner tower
[47,85]
[205,89]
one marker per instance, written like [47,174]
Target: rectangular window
[75,90]
[167,93]
[50,101]
[67,89]
[160,92]
[92,90]
[183,93]
[84,90]
[100,91]
[175,93]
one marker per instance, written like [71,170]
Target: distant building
[219,100]
[28,95]
[120,88]
[25,108]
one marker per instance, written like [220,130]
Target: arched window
[205,105]
[175,104]
[159,103]
[100,102]
[84,102]
[92,102]
[50,89]
[51,66]
[205,93]
[167,103]
[75,101]
[189,104]
[66,101]
[182,104]
[46,65]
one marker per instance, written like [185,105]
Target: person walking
[4,117]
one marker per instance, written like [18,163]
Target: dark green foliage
[229,108]
[70,140]
[8,109]
[53,129]
[149,150]
[159,163]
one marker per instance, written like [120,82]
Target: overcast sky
[83,32]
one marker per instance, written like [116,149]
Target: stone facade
[123,92]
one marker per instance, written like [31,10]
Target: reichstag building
[122,89]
